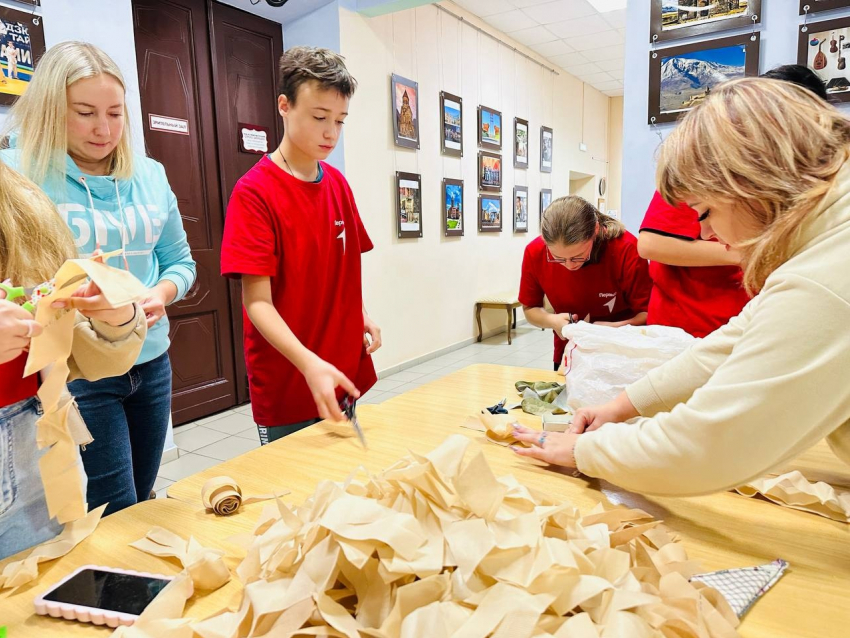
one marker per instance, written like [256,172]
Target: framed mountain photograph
[681,77]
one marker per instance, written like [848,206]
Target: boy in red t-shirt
[696,283]
[294,236]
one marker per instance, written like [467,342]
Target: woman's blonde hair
[38,119]
[770,149]
[34,240]
[573,220]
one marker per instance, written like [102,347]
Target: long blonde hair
[38,119]
[573,220]
[770,149]
[34,240]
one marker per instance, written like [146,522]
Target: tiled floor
[223,436]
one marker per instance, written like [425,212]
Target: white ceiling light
[604,6]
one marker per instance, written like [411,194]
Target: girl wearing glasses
[585,263]
[770,162]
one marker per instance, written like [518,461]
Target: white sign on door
[169,124]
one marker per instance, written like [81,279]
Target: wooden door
[245,53]
[175,80]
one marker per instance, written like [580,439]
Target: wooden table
[109,546]
[722,530]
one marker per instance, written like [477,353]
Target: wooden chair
[506,301]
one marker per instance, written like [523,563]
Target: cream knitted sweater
[754,394]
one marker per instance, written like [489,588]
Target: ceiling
[572,34]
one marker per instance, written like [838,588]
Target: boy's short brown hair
[303,64]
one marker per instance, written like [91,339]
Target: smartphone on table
[101,595]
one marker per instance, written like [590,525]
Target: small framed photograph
[825,48]
[451,115]
[545,200]
[672,20]
[489,128]
[489,213]
[21,48]
[681,77]
[600,205]
[813,6]
[520,143]
[520,209]
[545,149]
[453,207]
[489,172]
[405,96]
[409,204]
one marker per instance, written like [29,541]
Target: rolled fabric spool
[222,495]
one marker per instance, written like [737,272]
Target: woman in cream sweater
[771,162]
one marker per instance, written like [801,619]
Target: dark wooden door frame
[218,14]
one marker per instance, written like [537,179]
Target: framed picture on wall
[813,6]
[489,172]
[520,143]
[600,205]
[545,200]
[674,19]
[405,97]
[451,115]
[545,149]
[408,199]
[489,214]
[453,207]
[520,209]
[21,47]
[681,77]
[489,128]
[825,48]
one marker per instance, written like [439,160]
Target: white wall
[615,154]
[778,46]
[86,20]
[422,291]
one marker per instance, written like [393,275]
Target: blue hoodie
[147,225]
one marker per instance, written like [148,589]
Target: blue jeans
[24,520]
[128,418]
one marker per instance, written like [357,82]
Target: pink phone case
[92,615]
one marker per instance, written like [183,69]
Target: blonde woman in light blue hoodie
[68,133]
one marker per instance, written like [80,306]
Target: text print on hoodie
[139,216]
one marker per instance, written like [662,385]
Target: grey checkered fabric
[743,587]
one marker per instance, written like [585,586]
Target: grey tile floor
[223,436]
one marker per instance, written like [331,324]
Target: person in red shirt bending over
[696,282]
[585,263]
[294,236]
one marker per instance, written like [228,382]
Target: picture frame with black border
[545,200]
[669,101]
[547,151]
[408,197]
[452,196]
[816,6]
[451,117]
[404,94]
[521,145]
[663,25]
[490,213]
[520,209]
[830,63]
[489,172]
[490,128]
[24,30]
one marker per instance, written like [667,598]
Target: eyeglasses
[557,260]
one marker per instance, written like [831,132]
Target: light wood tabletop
[722,530]
[109,546]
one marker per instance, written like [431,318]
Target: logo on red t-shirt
[341,235]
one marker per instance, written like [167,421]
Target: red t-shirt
[613,288]
[307,237]
[14,386]
[697,299]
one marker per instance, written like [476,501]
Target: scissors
[349,408]
[586,319]
[26,297]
